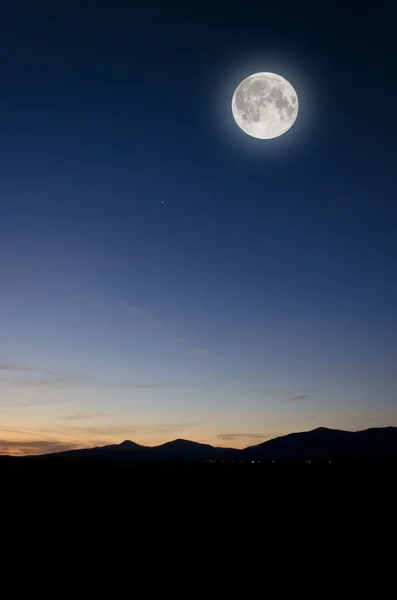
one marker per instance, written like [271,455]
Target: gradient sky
[164,275]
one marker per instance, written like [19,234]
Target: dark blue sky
[160,270]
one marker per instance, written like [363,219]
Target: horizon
[46,451]
[162,273]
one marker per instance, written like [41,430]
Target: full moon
[265,105]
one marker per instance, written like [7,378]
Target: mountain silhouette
[125,450]
[192,450]
[176,450]
[327,444]
[318,445]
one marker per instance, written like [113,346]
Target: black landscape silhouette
[313,473]
[321,444]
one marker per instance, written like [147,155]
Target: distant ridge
[328,444]
[317,445]
[179,449]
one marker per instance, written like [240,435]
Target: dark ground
[299,485]
[218,515]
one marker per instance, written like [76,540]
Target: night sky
[162,274]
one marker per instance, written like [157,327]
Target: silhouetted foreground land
[230,505]
[138,480]
[311,475]
[303,464]
[319,479]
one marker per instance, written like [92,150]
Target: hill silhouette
[328,444]
[319,444]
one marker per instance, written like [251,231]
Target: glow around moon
[265,105]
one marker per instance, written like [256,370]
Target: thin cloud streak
[25,448]
[32,403]
[125,430]
[18,431]
[19,375]
[18,368]
[300,397]
[80,416]
[228,437]
[74,382]
[38,382]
